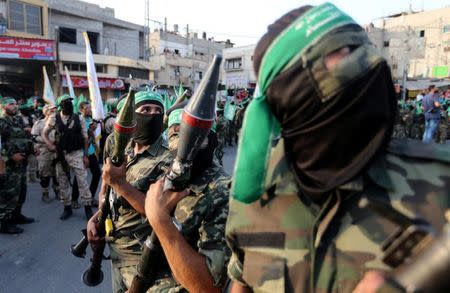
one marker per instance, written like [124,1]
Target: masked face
[67,107]
[148,128]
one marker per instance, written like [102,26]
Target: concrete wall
[194,57]
[243,76]
[407,49]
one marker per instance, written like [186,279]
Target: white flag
[48,95]
[94,89]
[69,83]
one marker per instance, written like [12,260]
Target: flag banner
[69,83]
[48,95]
[98,113]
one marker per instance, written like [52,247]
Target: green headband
[260,126]
[175,117]
[142,96]
[7,101]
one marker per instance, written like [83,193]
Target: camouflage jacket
[286,243]
[14,138]
[131,228]
[202,216]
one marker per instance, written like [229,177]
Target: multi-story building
[417,43]
[237,70]
[182,59]
[24,47]
[118,46]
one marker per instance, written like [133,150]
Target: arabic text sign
[104,83]
[21,48]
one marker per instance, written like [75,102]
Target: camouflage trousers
[219,150]
[45,163]
[32,168]
[13,188]
[75,161]
[399,131]
[122,277]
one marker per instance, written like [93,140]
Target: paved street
[39,260]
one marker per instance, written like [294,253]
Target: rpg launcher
[420,259]
[123,130]
[197,120]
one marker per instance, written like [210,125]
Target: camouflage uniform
[442,133]
[221,135]
[286,243]
[46,157]
[13,186]
[202,216]
[74,160]
[399,126]
[32,169]
[131,228]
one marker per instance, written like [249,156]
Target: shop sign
[23,48]
[103,83]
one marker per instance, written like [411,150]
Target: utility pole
[147,31]
[57,75]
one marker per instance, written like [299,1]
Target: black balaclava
[67,107]
[148,128]
[329,139]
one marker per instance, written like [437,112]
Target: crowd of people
[324,134]
[426,117]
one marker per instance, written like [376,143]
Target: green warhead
[123,128]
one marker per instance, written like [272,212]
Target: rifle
[123,129]
[197,120]
[421,260]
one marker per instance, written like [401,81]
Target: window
[67,35]
[93,39]
[386,44]
[394,66]
[422,33]
[25,17]
[198,75]
[99,68]
[446,29]
[135,72]
[235,63]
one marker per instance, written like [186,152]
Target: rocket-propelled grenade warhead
[123,128]
[197,120]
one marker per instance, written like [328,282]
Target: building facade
[179,59]
[25,46]
[415,43]
[237,68]
[118,47]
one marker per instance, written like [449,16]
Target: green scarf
[260,126]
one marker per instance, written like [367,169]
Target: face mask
[67,107]
[148,128]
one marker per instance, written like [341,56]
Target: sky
[245,21]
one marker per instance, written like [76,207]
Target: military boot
[45,197]
[67,213]
[8,228]
[19,219]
